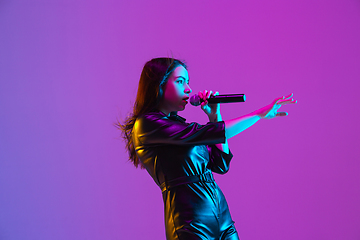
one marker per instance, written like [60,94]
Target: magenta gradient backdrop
[68,69]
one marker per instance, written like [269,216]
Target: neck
[164,109]
[166,112]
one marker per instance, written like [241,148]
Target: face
[176,91]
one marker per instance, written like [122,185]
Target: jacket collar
[173,116]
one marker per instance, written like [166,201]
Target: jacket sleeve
[219,160]
[155,129]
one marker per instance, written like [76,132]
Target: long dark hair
[154,76]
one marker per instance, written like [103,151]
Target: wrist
[215,117]
[256,114]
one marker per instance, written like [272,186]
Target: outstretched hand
[271,110]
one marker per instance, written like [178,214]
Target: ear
[161,92]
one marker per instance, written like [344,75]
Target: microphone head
[195,100]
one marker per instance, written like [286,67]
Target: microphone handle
[228,98]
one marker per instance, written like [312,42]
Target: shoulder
[148,121]
[150,117]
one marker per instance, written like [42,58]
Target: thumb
[203,105]
[281,114]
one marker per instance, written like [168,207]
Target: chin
[182,108]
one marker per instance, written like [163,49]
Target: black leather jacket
[181,157]
[170,148]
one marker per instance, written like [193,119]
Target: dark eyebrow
[182,78]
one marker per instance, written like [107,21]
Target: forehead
[180,71]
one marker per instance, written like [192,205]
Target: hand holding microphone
[212,110]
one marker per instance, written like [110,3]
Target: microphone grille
[195,100]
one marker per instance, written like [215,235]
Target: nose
[187,89]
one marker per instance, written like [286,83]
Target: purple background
[68,69]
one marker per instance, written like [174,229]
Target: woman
[181,156]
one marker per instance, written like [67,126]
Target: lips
[185,100]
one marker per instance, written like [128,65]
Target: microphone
[195,100]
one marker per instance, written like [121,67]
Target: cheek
[172,92]
[169,93]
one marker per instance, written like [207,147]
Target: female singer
[181,156]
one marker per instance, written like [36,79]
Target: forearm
[237,125]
